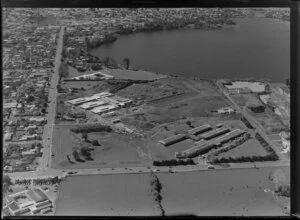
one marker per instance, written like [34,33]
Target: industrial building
[197,150]
[94,76]
[215,133]
[229,136]
[104,109]
[90,105]
[35,201]
[200,129]
[173,139]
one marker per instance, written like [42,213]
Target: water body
[257,47]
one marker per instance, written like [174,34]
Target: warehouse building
[90,105]
[173,139]
[197,150]
[200,129]
[104,109]
[229,136]
[214,133]
[80,101]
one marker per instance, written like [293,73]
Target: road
[134,170]
[258,127]
[48,128]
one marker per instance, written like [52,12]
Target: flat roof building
[90,105]
[200,129]
[229,136]
[104,109]
[173,139]
[215,133]
[197,150]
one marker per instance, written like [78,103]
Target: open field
[109,195]
[269,120]
[246,99]
[135,75]
[205,193]
[169,111]
[115,151]
[219,192]
[79,84]
[250,148]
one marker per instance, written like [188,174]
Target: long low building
[173,139]
[94,97]
[104,109]
[200,129]
[80,101]
[90,105]
[215,133]
[229,136]
[197,150]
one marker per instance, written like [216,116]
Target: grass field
[246,99]
[169,111]
[250,148]
[135,75]
[106,195]
[269,121]
[115,151]
[219,193]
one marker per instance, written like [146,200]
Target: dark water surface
[256,47]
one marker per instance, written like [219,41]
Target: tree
[95,143]
[126,62]
[109,61]
[6,183]
[84,136]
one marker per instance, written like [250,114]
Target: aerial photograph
[146,111]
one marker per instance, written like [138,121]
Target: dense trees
[173,162]
[96,127]
[110,62]
[156,190]
[6,183]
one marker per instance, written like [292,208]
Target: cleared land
[135,75]
[108,195]
[219,192]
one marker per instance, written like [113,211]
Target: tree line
[173,162]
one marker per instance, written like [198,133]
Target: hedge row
[91,128]
[173,162]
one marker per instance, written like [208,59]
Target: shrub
[95,143]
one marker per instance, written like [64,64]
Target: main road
[45,162]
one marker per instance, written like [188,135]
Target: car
[210,167]
[156,170]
